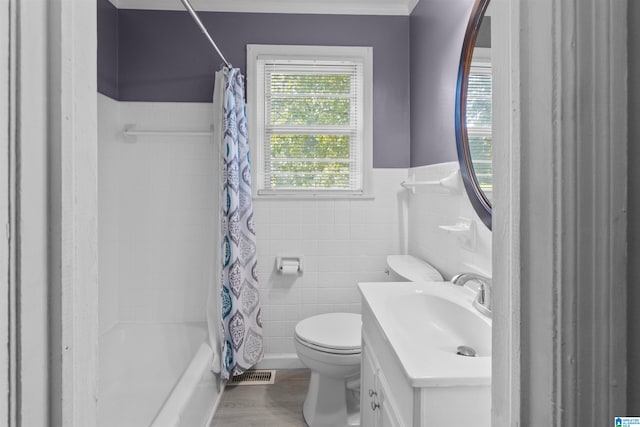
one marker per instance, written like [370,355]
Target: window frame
[255,113]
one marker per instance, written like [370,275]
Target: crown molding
[330,7]
[411,4]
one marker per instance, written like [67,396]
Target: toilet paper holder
[289,264]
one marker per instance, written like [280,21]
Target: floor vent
[254,377]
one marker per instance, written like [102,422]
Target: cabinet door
[369,413]
[387,411]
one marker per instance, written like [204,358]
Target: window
[479,118]
[310,119]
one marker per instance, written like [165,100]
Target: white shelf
[465,230]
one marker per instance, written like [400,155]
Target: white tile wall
[157,204]
[343,242]
[156,226]
[431,207]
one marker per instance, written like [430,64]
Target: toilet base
[325,403]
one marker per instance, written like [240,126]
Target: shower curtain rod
[195,17]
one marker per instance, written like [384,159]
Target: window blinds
[313,131]
[479,122]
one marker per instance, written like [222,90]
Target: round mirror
[474,112]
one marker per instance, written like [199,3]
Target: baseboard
[280,361]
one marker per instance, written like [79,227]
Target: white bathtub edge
[216,403]
[169,415]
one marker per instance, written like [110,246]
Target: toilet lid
[333,331]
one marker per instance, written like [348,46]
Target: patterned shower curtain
[241,341]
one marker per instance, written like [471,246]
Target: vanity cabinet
[389,398]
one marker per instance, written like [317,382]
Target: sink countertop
[421,340]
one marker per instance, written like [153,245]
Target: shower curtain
[233,312]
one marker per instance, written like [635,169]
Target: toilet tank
[404,268]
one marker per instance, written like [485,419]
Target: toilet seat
[333,333]
[328,350]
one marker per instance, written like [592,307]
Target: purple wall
[437,29]
[107,49]
[484,33]
[162,56]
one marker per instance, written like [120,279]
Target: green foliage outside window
[310,146]
[311,83]
[310,111]
[302,155]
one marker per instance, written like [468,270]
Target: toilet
[330,346]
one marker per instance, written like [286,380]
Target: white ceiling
[341,7]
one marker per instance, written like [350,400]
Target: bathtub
[156,375]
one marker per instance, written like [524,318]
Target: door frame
[550,259]
[6,177]
[55,191]
[559,238]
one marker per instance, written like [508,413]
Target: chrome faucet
[483,302]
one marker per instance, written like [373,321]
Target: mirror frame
[478,198]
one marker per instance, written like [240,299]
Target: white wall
[434,206]
[108,185]
[157,233]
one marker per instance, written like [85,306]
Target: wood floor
[274,405]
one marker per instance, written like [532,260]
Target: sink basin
[426,323]
[442,323]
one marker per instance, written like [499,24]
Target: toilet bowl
[330,346]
